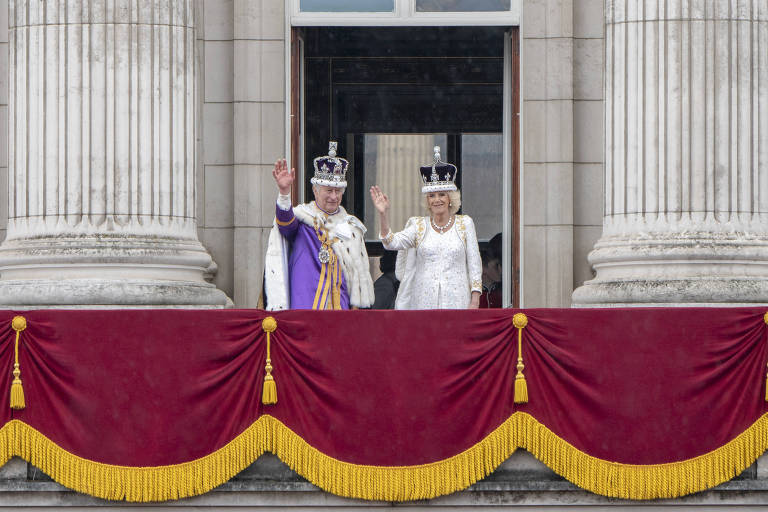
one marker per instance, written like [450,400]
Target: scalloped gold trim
[396,483]
[285,223]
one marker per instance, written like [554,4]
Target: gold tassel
[521,387]
[17,391]
[19,323]
[269,392]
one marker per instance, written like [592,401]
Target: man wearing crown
[316,256]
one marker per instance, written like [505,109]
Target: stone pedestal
[101,156]
[686,155]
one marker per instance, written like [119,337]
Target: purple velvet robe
[303,263]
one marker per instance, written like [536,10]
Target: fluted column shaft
[686,154]
[101,148]
[103,117]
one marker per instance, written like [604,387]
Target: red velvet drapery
[148,389]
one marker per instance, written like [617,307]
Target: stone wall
[215,135]
[588,57]
[562,55]
[242,73]
[547,142]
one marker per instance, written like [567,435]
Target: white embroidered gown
[441,269]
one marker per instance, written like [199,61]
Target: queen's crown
[439,176]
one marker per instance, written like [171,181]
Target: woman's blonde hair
[454,197]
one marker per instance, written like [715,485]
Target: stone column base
[677,268]
[129,271]
[691,292]
[121,293]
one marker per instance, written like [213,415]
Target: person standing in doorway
[442,259]
[316,256]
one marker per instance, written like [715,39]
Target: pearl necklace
[445,227]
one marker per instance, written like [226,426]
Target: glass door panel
[392,162]
[481,176]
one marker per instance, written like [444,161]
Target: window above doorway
[346,6]
[462,5]
[404,12]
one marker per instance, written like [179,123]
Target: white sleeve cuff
[284,202]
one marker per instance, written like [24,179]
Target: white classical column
[101,156]
[686,154]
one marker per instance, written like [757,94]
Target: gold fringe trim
[137,484]
[642,482]
[399,483]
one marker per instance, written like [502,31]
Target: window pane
[462,5]
[481,175]
[392,162]
[347,5]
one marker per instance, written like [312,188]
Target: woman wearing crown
[439,253]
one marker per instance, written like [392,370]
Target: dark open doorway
[388,95]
